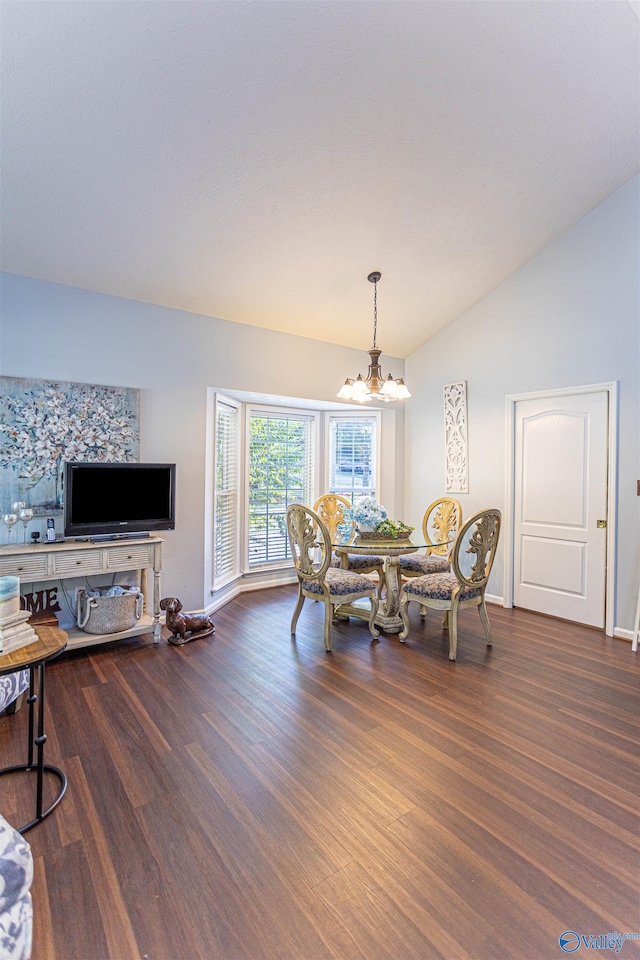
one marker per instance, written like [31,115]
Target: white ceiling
[256,160]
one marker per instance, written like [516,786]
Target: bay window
[268,457]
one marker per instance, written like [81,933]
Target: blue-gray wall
[570,316]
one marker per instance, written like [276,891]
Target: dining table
[388,618]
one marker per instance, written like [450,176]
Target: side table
[50,642]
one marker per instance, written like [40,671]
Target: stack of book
[15,631]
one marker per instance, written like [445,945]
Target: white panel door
[560,495]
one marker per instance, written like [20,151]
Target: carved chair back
[331,509]
[478,537]
[441,521]
[306,533]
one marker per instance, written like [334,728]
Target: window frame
[374,415]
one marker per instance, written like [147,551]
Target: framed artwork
[44,423]
[456,438]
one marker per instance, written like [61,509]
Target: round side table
[50,642]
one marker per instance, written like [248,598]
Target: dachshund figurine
[181,624]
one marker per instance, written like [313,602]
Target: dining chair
[465,584]
[319,580]
[331,508]
[440,523]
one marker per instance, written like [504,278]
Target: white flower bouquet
[367,513]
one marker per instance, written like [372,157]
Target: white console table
[74,558]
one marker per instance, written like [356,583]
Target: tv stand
[63,560]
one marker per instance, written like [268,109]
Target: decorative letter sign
[42,606]
[455,434]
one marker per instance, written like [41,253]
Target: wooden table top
[50,642]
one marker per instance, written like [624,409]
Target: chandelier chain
[375,312]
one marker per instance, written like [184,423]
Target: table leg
[391,605]
[31,699]
[38,741]
[388,617]
[157,626]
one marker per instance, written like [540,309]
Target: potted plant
[394,530]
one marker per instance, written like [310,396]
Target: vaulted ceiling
[256,160]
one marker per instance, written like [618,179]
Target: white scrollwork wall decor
[455,432]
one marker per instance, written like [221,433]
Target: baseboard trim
[494,598]
[248,585]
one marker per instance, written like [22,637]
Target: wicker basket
[374,535]
[109,614]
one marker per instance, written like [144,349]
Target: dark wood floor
[248,797]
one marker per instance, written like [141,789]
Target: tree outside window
[280,473]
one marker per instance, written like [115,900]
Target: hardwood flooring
[249,797]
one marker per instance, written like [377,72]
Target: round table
[50,641]
[388,618]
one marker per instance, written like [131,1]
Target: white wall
[49,331]
[569,316]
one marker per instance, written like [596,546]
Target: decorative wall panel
[44,423]
[455,432]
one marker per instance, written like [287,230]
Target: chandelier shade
[375,386]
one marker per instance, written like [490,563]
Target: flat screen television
[110,499]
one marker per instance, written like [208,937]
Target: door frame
[611,389]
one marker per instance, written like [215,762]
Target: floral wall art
[45,423]
[455,431]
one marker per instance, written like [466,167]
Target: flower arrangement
[368,511]
[372,518]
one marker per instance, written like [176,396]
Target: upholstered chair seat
[438,586]
[360,562]
[341,582]
[419,564]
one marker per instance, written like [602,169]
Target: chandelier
[375,386]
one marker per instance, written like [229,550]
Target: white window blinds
[352,457]
[227,501]
[281,472]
